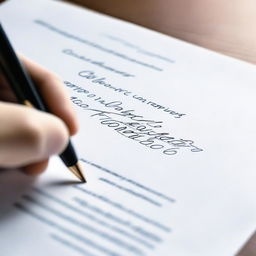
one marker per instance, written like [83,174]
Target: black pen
[27,94]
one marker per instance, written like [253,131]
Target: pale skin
[225,26]
[221,25]
[28,137]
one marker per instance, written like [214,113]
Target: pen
[27,94]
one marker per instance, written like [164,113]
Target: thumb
[28,136]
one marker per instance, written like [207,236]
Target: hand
[221,25]
[28,137]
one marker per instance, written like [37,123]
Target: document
[167,139]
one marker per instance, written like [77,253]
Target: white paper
[167,139]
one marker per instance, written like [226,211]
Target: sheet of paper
[167,139]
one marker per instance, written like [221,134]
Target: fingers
[29,136]
[53,93]
[36,168]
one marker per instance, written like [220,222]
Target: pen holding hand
[28,137]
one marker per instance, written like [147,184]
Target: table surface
[233,24]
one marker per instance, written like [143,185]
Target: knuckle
[49,77]
[33,134]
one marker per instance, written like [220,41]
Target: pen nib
[77,170]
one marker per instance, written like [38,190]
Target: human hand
[28,137]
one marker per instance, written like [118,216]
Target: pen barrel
[24,88]
[68,156]
[16,75]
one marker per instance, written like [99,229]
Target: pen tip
[77,170]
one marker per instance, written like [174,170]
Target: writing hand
[28,137]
